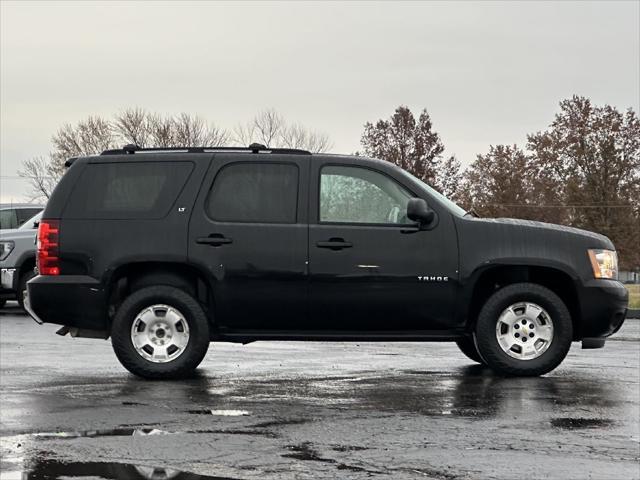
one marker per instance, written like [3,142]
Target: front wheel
[524,329]
[160,332]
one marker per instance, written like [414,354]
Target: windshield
[449,204]
[28,225]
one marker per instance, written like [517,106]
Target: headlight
[604,263]
[5,249]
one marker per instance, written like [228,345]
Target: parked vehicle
[167,250]
[17,260]
[13,215]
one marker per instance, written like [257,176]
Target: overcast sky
[488,73]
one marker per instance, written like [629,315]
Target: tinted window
[360,195]
[8,219]
[255,192]
[25,214]
[127,190]
[31,224]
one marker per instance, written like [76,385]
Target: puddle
[48,469]
[305,452]
[222,413]
[282,422]
[348,448]
[114,432]
[258,430]
[578,423]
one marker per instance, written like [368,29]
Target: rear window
[127,190]
[255,193]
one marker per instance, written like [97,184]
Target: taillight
[48,235]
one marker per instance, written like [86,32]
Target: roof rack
[253,148]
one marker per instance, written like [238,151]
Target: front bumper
[70,300]
[603,306]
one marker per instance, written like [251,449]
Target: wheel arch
[488,279]
[130,277]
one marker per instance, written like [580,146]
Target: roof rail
[70,161]
[253,148]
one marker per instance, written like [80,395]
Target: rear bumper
[71,300]
[603,304]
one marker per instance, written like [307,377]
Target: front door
[249,231]
[370,267]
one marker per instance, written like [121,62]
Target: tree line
[582,170]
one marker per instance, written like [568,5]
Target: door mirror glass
[419,211]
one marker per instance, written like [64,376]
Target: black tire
[181,367]
[468,347]
[22,286]
[2,303]
[488,345]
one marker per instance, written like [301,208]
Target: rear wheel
[524,329]
[468,347]
[160,332]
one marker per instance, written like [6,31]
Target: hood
[16,234]
[597,239]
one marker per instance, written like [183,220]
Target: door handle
[215,240]
[335,244]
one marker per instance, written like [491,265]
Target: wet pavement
[313,410]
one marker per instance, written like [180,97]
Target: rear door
[249,230]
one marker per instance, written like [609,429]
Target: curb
[633,313]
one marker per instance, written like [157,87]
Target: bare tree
[89,137]
[146,129]
[297,136]
[139,127]
[134,125]
[161,131]
[192,130]
[272,130]
[41,175]
[268,126]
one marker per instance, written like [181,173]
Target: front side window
[255,193]
[361,195]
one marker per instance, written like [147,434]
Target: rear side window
[25,214]
[127,190]
[255,193]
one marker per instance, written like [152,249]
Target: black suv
[168,250]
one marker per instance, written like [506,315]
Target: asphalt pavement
[313,410]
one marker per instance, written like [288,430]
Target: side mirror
[36,225]
[419,211]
